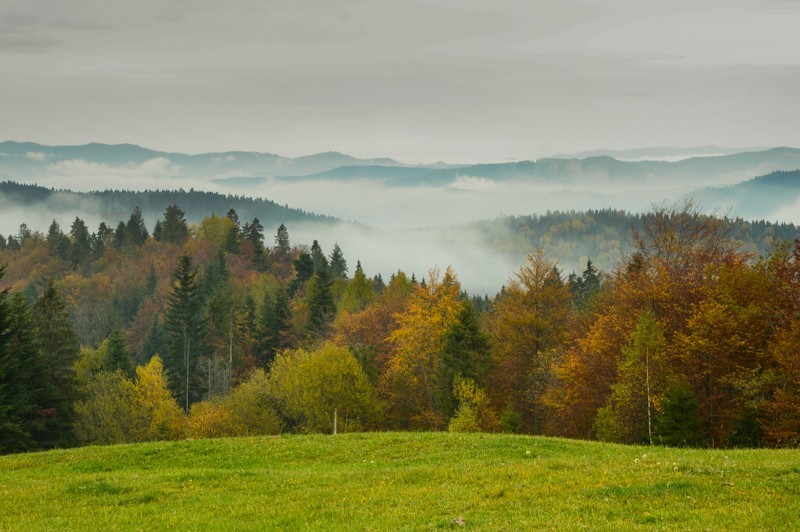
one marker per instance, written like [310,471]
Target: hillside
[112,205]
[395,480]
[765,196]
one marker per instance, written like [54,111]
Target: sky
[420,81]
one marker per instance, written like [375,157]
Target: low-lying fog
[400,224]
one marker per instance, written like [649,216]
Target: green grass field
[398,480]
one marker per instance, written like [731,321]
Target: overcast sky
[459,81]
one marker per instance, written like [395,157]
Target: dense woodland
[215,329]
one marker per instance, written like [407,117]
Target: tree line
[213,329]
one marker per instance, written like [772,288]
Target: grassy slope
[398,480]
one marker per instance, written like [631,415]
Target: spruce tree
[318,257]
[81,252]
[338,264]
[185,331]
[117,356]
[58,350]
[21,377]
[321,308]
[155,343]
[282,240]
[174,228]
[57,241]
[273,326]
[13,398]
[135,230]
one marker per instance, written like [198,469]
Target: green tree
[466,353]
[135,230]
[185,330]
[107,413]
[680,422]
[338,265]
[57,242]
[174,228]
[117,357]
[253,233]
[81,252]
[304,269]
[58,350]
[274,326]
[318,258]
[16,400]
[282,240]
[324,390]
[629,414]
[321,307]
[155,343]
[359,292]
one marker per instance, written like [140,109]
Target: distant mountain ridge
[24,160]
[696,171]
[30,161]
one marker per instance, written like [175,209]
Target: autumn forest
[119,334]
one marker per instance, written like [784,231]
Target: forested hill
[118,204]
[603,235]
[771,193]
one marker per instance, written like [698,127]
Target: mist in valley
[386,225]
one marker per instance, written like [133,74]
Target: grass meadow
[398,481]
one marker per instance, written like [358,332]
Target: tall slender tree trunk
[647,380]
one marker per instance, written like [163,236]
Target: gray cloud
[419,81]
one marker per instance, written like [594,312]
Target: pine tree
[101,240]
[57,241]
[359,292]
[21,376]
[318,257]
[466,352]
[253,232]
[321,308]
[680,423]
[338,264]
[273,326]
[185,327]
[282,240]
[304,269]
[117,356]
[15,400]
[174,228]
[155,343]
[58,350]
[81,252]
[136,232]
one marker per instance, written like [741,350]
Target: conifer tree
[21,376]
[58,350]
[135,230]
[282,240]
[273,326]
[57,241]
[100,240]
[174,228]
[15,397]
[318,257]
[117,356]
[155,343]
[185,328]
[338,264]
[321,308]
[81,252]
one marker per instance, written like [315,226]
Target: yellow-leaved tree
[413,381]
